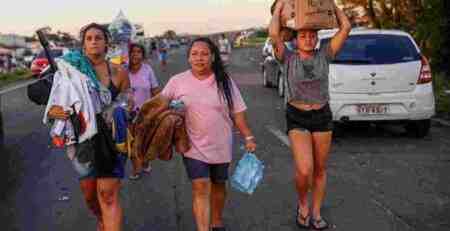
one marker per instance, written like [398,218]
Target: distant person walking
[8,63]
[308,114]
[225,49]
[153,48]
[2,64]
[163,50]
[144,86]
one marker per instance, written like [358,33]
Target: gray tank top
[307,80]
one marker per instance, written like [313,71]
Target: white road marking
[279,134]
[392,214]
[15,87]
[441,121]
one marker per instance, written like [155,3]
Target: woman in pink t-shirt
[213,105]
[144,85]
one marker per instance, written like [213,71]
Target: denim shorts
[309,121]
[163,56]
[218,173]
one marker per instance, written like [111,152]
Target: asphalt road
[379,178]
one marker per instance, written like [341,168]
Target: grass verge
[17,75]
[252,42]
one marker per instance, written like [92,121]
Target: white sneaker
[148,169]
[136,176]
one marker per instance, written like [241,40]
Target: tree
[170,34]
[65,37]
[444,49]
[391,13]
[424,19]
[350,7]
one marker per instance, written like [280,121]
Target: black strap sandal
[303,222]
[218,229]
[320,224]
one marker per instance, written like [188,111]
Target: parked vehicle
[381,76]
[40,62]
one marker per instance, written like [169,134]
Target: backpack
[39,91]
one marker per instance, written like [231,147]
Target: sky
[183,16]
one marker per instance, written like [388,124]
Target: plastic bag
[177,105]
[122,33]
[248,174]
[121,29]
[118,54]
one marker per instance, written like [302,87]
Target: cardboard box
[309,14]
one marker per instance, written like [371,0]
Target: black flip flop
[218,229]
[305,220]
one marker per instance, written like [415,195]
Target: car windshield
[376,49]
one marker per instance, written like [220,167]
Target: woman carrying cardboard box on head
[308,114]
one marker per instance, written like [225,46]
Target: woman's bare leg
[218,197]
[322,144]
[301,145]
[201,191]
[108,191]
[89,189]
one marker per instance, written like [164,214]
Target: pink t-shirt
[141,83]
[208,123]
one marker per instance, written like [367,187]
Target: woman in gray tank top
[308,115]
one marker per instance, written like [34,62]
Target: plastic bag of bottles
[122,33]
[118,54]
[248,174]
[121,30]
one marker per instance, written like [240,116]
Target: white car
[381,76]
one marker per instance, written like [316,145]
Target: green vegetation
[17,75]
[441,84]
[263,33]
[256,39]
[426,20]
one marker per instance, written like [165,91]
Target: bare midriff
[306,106]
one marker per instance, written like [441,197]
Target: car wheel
[280,86]
[265,81]
[418,128]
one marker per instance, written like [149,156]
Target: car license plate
[372,109]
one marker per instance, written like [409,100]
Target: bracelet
[249,138]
